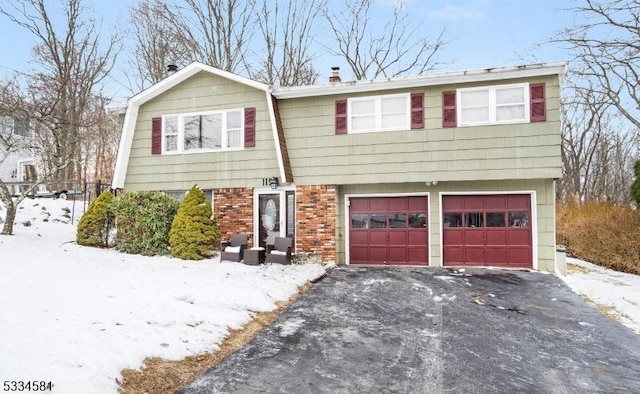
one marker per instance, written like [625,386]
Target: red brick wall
[316,220]
[233,209]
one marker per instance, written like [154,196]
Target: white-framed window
[379,113]
[203,131]
[17,124]
[493,105]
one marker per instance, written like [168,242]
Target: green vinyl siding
[544,211]
[494,152]
[235,168]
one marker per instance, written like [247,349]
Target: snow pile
[77,316]
[615,290]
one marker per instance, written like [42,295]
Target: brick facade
[233,209]
[316,220]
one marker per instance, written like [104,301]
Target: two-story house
[17,165]
[453,169]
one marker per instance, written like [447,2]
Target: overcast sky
[482,34]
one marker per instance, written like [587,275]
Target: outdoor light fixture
[273,182]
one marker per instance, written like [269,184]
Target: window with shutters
[493,105]
[379,113]
[203,132]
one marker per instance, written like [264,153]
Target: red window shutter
[417,110]
[249,127]
[156,136]
[341,116]
[538,102]
[449,108]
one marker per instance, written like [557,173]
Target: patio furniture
[254,256]
[234,250]
[280,251]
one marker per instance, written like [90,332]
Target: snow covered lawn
[616,292]
[77,316]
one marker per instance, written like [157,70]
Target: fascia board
[422,81]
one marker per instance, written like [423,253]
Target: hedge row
[601,233]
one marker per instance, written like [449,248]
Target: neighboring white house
[16,167]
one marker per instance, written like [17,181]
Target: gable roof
[154,91]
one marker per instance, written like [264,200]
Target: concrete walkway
[395,330]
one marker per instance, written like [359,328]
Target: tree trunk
[10,217]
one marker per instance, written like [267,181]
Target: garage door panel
[474,203]
[453,254]
[398,237]
[377,254]
[397,204]
[378,205]
[516,202]
[496,256]
[452,237]
[519,256]
[378,238]
[474,255]
[519,237]
[417,237]
[359,237]
[502,234]
[359,254]
[473,237]
[359,205]
[397,255]
[496,237]
[417,255]
[417,204]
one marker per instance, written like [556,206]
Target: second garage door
[388,230]
[487,230]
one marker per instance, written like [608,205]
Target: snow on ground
[77,316]
[615,290]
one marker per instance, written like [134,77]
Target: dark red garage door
[388,230]
[487,230]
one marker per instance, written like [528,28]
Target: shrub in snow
[94,225]
[194,234]
[602,233]
[143,221]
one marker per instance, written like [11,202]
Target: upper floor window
[207,131]
[379,113]
[493,105]
[18,124]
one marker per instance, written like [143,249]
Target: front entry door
[269,209]
[275,215]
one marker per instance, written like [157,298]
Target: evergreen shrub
[97,221]
[194,234]
[143,221]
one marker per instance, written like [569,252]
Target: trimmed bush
[95,224]
[194,234]
[143,221]
[601,233]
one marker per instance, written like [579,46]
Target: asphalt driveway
[396,330]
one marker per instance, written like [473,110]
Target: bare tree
[13,105]
[287,33]
[72,62]
[395,51]
[606,46]
[155,43]
[215,32]
[596,153]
